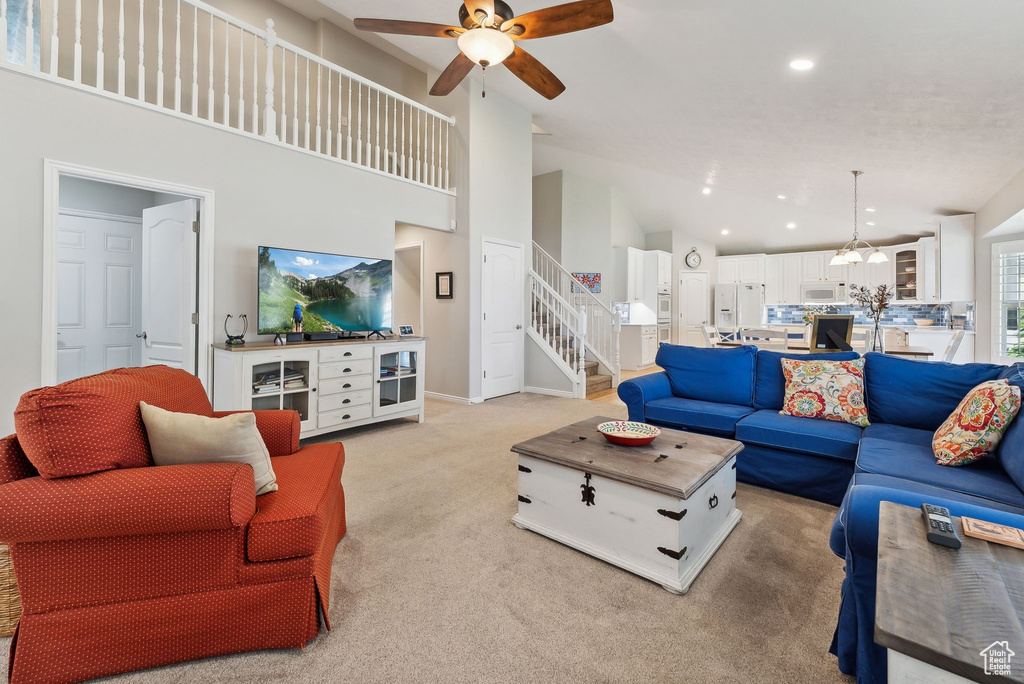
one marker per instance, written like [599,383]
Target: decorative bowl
[924,322]
[628,433]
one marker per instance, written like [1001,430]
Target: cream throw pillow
[179,438]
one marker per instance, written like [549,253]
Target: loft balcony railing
[195,61]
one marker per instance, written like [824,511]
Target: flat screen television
[312,292]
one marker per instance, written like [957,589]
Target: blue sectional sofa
[737,393]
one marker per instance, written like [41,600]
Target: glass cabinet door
[279,381]
[398,383]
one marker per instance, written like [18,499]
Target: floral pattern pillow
[978,424]
[827,390]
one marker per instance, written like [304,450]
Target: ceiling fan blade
[474,6]
[452,75]
[409,28]
[553,21]
[533,73]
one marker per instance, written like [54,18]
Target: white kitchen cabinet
[929,270]
[638,346]
[751,268]
[773,280]
[908,272]
[636,269]
[812,267]
[791,279]
[937,339]
[955,257]
[728,269]
[835,274]
[883,273]
[664,270]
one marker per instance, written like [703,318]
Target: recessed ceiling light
[706,191]
[725,231]
[871,223]
[871,209]
[781,196]
[801,65]
[791,226]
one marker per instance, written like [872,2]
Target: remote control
[939,526]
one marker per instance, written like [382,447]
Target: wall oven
[664,308]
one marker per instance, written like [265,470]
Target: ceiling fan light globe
[877,257]
[486,46]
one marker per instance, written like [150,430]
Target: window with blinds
[1008,298]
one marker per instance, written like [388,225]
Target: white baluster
[99,45]
[177,57]
[120,48]
[319,107]
[78,40]
[142,50]
[330,132]
[211,96]
[369,138]
[348,124]
[284,95]
[54,37]
[359,125]
[269,115]
[306,130]
[387,155]
[434,146]
[255,85]
[419,162]
[394,138]
[295,99]
[376,149]
[227,74]
[405,165]
[195,62]
[447,151]
[241,80]
[338,146]
[3,30]
[30,35]
[160,55]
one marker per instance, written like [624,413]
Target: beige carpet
[434,584]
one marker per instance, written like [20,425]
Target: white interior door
[694,303]
[502,295]
[169,285]
[99,265]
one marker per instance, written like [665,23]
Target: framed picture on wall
[444,285]
[591,281]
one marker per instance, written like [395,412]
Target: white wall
[547,213]
[105,198]
[406,288]
[265,194]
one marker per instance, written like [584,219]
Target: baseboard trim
[451,398]
[550,392]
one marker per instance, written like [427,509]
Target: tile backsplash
[897,314]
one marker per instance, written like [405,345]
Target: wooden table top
[944,606]
[676,463]
[893,349]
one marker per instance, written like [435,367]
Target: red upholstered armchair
[135,567]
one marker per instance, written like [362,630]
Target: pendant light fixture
[850,252]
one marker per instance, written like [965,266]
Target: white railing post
[177,57]
[295,100]
[241,80]
[30,35]
[269,115]
[120,48]
[195,61]
[305,130]
[54,37]
[255,85]
[142,51]
[211,96]
[99,44]
[319,108]
[160,55]
[329,140]
[78,40]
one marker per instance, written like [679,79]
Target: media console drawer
[341,369]
[344,400]
[341,353]
[345,384]
[341,416]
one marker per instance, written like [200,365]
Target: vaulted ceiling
[925,96]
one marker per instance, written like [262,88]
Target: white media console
[333,385]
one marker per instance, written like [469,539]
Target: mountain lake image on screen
[318,292]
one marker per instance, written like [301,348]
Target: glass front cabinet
[283,381]
[399,385]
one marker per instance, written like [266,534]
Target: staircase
[573,327]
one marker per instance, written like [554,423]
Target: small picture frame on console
[444,285]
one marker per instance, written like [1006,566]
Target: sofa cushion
[91,424]
[898,433]
[816,437]
[916,463]
[977,426]
[1010,452]
[769,382]
[719,375]
[704,416]
[825,390]
[290,522]
[919,394]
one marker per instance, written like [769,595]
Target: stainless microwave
[823,293]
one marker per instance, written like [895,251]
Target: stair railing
[603,324]
[561,328]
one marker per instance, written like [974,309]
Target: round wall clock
[693,259]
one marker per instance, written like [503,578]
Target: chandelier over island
[850,253]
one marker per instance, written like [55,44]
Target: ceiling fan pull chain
[483,74]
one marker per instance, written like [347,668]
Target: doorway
[694,306]
[502,295]
[126,274]
[408,287]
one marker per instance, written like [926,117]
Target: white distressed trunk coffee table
[659,511]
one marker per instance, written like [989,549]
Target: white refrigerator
[739,305]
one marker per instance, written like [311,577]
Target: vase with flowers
[874,301]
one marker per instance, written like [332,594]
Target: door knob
[143,336]
[519,327]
